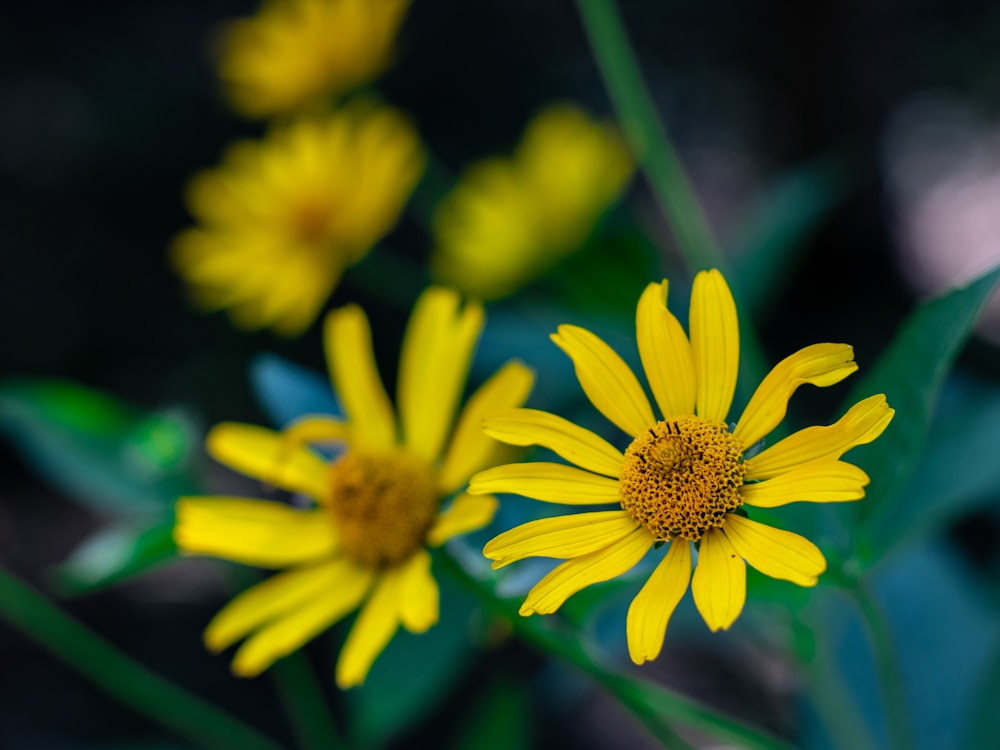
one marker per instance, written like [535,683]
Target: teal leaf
[911,373]
[288,391]
[100,451]
[113,555]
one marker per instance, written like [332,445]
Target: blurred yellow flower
[684,479]
[510,219]
[295,53]
[281,218]
[378,506]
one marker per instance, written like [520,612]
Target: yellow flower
[684,478]
[378,507]
[295,53]
[510,219]
[282,218]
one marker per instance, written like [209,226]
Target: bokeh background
[880,120]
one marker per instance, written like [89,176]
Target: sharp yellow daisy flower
[510,219]
[295,53]
[378,507]
[685,478]
[281,218]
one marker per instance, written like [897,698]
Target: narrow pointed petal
[715,344]
[608,382]
[263,454]
[372,630]
[417,592]
[820,365]
[576,574]
[472,449]
[300,625]
[774,552]
[549,482]
[561,537]
[434,365]
[351,361]
[574,443]
[719,584]
[665,352]
[313,429]
[816,482]
[279,594]
[862,423]
[253,532]
[466,514]
[650,611]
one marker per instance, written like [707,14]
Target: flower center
[311,222]
[681,477]
[382,505]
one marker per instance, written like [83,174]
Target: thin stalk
[889,675]
[646,135]
[655,706]
[125,680]
[302,700]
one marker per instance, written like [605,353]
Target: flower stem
[646,135]
[655,706]
[122,678]
[887,665]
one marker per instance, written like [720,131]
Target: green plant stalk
[119,676]
[302,700]
[656,707]
[889,675]
[646,135]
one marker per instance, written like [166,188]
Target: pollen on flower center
[383,505]
[681,477]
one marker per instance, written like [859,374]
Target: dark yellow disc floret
[383,505]
[681,477]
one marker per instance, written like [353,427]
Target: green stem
[302,699]
[646,135]
[656,707]
[122,678]
[887,665]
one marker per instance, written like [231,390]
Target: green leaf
[911,373]
[414,673]
[100,451]
[113,555]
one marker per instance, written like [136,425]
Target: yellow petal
[862,423]
[417,592]
[576,444]
[608,382]
[465,514]
[370,634]
[278,595]
[562,537]
[263,454]
[314,429]
[719,584]
[300,625]
[349,357]
[472,449]
[650,611]
[715,344]
[775,553]
[820,481]
[434,366]
[253,532]
[576,574]
[552,483]
[665,352]
[819,364]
